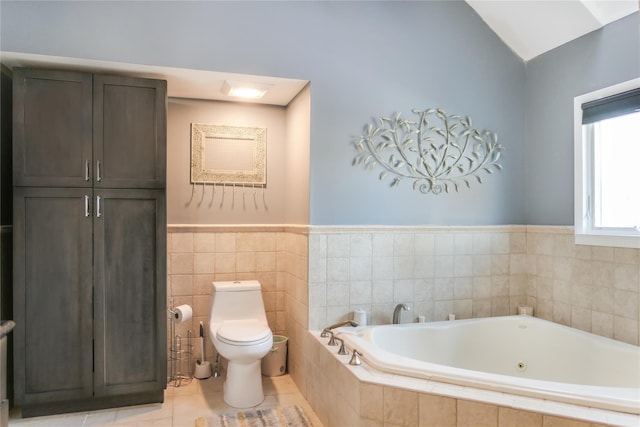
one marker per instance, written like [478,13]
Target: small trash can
[275,362]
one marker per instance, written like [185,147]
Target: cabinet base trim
[93,404]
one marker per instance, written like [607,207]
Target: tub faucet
[397,311]
[325,331]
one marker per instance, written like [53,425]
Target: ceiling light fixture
[248,90]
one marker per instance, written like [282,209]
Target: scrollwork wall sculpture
[438,152]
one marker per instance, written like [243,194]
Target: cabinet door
[52,124]
[52,295]
[130,291]
[129,132]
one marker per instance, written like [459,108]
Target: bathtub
[519,355]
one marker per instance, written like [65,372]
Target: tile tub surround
[592,288]
[473,272]
[469,271]
[344,395]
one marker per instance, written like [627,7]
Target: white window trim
[585,234]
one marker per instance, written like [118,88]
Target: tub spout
[397,311]
[325,331]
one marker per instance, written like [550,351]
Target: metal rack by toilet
[180,355]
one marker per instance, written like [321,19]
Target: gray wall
[189,204]
[599,59]
[363,59]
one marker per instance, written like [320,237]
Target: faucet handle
[342,350]
[332,340]
[355,359]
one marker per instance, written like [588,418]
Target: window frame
[585,231]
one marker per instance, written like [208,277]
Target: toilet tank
[237,300]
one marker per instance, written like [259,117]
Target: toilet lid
[243,332]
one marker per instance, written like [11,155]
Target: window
[607,166]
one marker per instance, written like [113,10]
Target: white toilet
[240,333]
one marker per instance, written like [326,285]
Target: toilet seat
[243,332]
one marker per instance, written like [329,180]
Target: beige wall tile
[481,243]
[550,421]
[203,262]
[338,246]
[400,406]
[476,414]
[424,244]
[361,245]
[204,242]
[181,242]
[463,244]
[500,243]
[181,284]
[360,268]
[266,261]
[382,268]
[225,263]
[266,241]
[437,411]
[182,263]
[508,417]
[382,245]
[225,242]
[202,284]
[602,253]
[404,244]
[246,262]
[371,401]
[517,242]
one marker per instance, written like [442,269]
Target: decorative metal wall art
[438,152]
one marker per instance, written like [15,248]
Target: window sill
[626,241]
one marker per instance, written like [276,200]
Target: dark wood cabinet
[89,241]
[129,132]
[81,130]
[53,342]
[52,128]
[130,313]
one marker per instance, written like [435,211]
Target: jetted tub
[515,354]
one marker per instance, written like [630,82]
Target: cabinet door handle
[98,176]
[86,170]
[98,210]
[86,206]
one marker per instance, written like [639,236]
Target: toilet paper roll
[360,316]
[182,313]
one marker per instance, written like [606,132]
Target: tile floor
[182,405]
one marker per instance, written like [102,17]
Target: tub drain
[521,366]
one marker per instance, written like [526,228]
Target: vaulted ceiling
[532,27]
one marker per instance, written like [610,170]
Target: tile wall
[592,288]
[314,276]
[473,272]
[468,271]
[274,255]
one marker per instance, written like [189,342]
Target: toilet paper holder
[180,353]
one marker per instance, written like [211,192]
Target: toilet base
[243,386]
